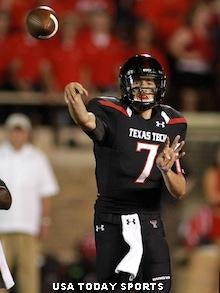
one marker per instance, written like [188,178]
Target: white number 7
[152,148]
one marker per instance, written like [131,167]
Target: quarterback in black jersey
[137,146]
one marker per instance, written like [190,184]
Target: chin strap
[140,107]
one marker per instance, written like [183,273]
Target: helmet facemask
[136,93]
[142,91]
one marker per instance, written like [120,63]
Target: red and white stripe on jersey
[114,106]
[177,120]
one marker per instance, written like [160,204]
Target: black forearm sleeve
[100,132]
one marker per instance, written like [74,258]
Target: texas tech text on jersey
[127,176]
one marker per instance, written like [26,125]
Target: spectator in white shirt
[31,181]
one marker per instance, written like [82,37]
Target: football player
[138,144]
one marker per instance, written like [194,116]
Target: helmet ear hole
[140,66]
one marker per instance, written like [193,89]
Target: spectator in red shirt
[145,42]
[201,235]
[103,51]
[18,9]
[66,57]
[61,7]
[166,15]
[192,48]
[211,185]
[4,44]
[27,61]
[85,7]
[204,226]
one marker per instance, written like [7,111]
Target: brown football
[42,22]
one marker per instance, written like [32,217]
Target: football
[42,22]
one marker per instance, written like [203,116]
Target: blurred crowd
[96,36]
[80,270]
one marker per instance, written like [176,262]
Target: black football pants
[154,270]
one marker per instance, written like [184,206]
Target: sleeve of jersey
[101,134]
[180,129]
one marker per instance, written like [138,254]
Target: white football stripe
[45,7]
[56,24]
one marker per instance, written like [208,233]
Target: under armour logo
[154,223]
[132,221]
[99,228]
[162,124]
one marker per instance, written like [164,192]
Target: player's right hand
[74,91]
[73,96]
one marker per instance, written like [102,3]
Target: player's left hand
[170,154]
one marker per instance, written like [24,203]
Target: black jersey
[126,173]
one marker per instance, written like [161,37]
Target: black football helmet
[135,68]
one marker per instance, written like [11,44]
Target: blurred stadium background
[94,38]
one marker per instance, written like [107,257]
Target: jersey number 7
[152,152]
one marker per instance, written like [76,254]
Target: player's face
[18,137]
[143,89]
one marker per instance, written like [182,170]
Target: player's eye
[135,89]
[139,89]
